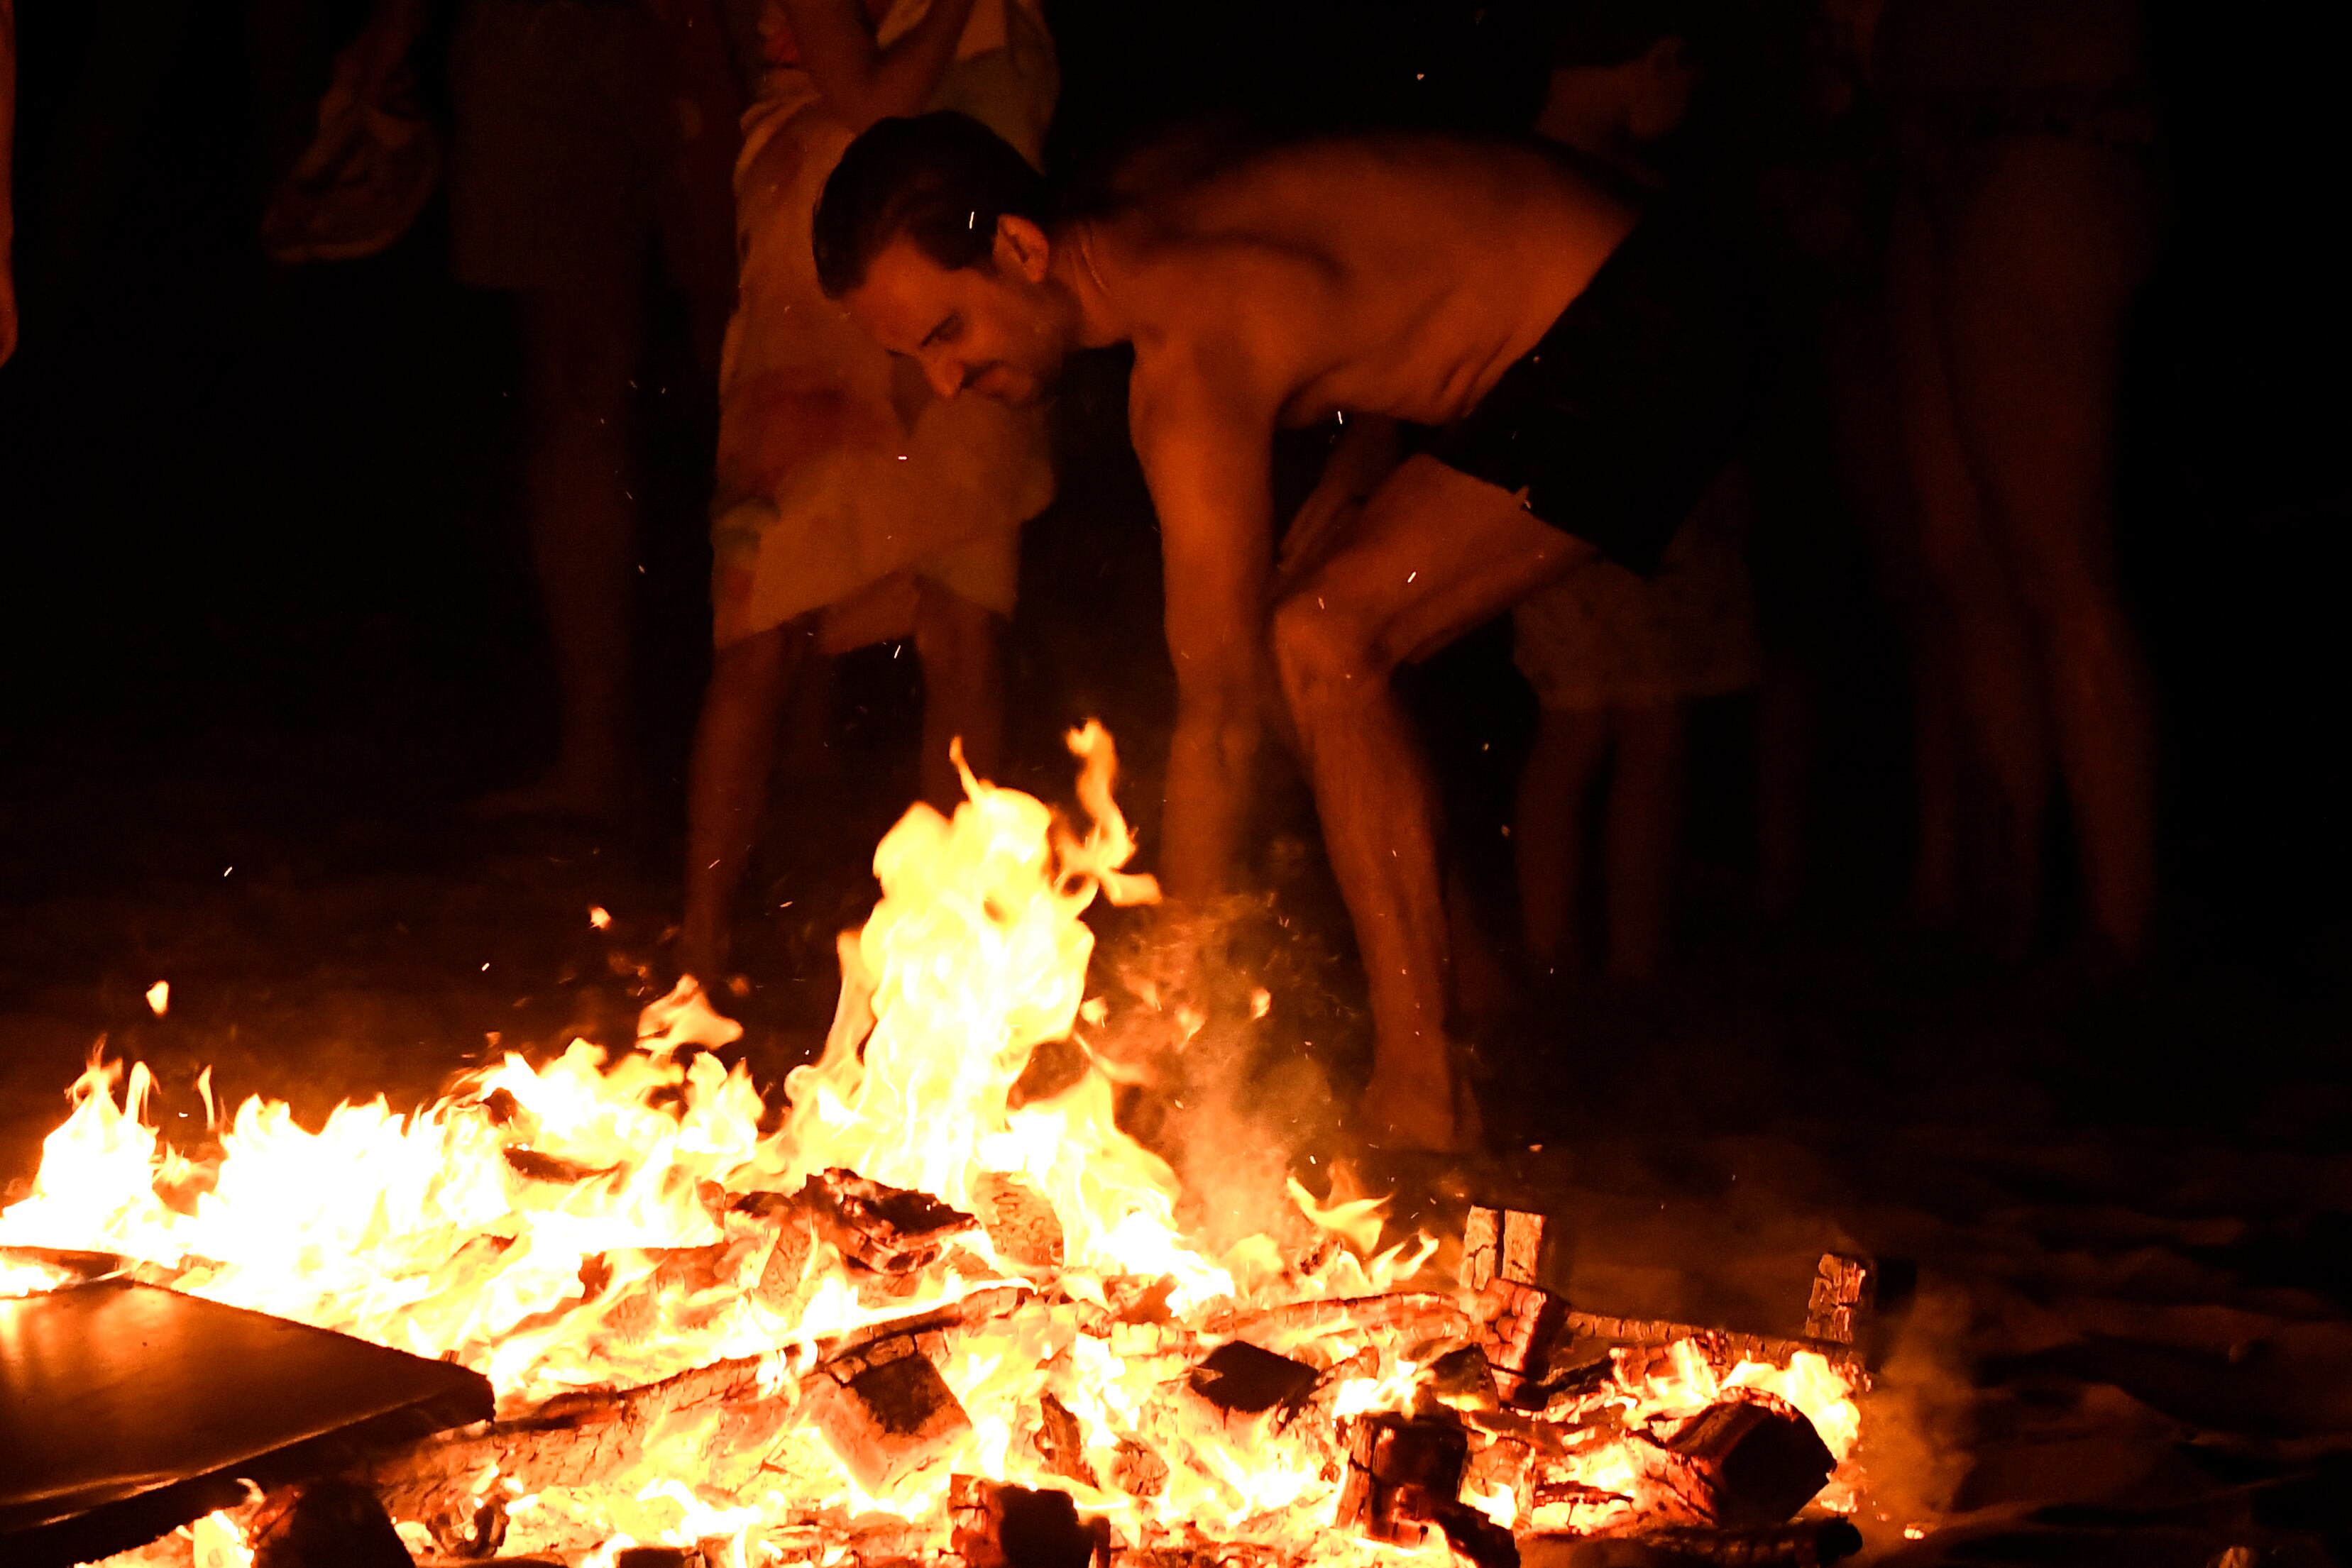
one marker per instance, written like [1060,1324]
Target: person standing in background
[853,505]
[2028,220]
[592,138]
[1616,658]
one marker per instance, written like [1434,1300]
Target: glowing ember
[808,1326]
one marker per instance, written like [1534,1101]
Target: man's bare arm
[1206,448]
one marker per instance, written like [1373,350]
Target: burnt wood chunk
[887,1229]
[1401,1471]
[1843,1288]
[1022,1226]
[1519,1326]
[1243,1379]
[1750,1460]
[996,1526]
[1501,1244]
[469,1533]
[1061,1442]
[331,1523]
[1476,1538]
[1720,1346]
[886,1412]
[1137,1471]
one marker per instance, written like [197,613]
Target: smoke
[1215,1016]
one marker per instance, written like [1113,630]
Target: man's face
[990,330]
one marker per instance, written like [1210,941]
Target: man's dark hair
[941,179]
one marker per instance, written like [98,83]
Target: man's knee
[1324,652]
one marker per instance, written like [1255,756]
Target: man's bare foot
[1413,1113]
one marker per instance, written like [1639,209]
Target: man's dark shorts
[1643,389]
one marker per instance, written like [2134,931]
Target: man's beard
[1015,386]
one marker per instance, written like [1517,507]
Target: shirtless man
[1574,360]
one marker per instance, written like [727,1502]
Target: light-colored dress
[1604,637]
[840,474]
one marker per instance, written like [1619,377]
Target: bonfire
[910,1313]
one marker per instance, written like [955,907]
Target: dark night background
[266,606]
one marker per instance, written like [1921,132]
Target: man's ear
[1022,246]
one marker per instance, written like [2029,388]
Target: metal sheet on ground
[127,1411]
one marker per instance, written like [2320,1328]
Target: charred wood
[1751,1460]
[888,1229]
[1415,1315]
[1518,1326]
[1843,1288]
[886,1411]
[1501,1244]
[1061,1443]
[1401,1471]
[332,1524]
[1721,1345]
[999,1526]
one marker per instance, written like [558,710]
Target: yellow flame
[580,1223]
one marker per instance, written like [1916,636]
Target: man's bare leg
[727,784]
[2046,252]
[1435,553]
[962,649]
[580,345]
[1993,665]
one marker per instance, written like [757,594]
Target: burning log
[1720,1345]
[1137,1471]
[1843,1287]
[1501,1244]
[1754,1460]
[1020,1223]
[1401,1470]
[331,1523]
[1061,1442]
[886,1411]
[888,1229]
[1411,1315]
[1013,1527]
[575,1439]
[1519,1325]
[1404,1478]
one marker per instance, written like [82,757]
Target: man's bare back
[1399,275]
